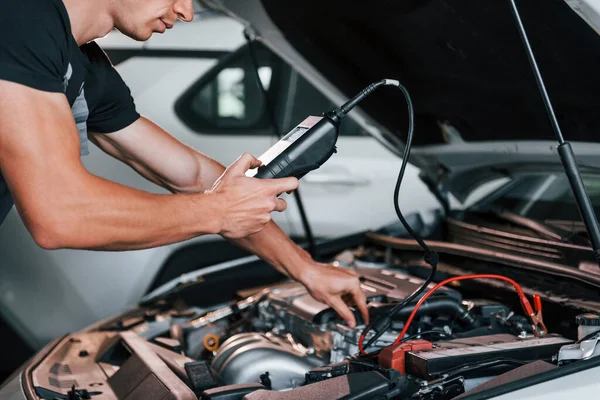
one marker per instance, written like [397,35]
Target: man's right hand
[246,203]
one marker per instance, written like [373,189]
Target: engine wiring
[538,325]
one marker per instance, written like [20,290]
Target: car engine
[302,333]
[276,341]
[293,333]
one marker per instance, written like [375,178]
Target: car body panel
[579,385]
[12,389]
[589,10]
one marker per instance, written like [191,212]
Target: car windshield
[542,197]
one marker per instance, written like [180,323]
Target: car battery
[450,355]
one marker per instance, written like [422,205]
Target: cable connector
[340,112]
[537,322]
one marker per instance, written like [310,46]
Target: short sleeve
[115,108]
[34,44]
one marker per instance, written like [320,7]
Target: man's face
[139,19]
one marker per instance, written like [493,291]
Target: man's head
[138,19]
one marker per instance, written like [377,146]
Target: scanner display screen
[285,142]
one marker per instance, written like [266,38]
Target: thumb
[245,162]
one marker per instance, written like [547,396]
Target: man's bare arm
[159,157]
[64,206]
[162,159]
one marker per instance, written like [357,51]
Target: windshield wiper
[528,223]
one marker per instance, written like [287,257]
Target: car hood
[477,106]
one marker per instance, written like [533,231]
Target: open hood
[476,101]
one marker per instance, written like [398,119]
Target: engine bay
[276,341]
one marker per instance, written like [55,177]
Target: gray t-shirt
[6,200]
[38,50]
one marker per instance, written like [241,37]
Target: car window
[545,196]
[232,99]
[228,100]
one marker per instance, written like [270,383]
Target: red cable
[524,302]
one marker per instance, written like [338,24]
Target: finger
[280,205]
[361,303]
[281,185]
[245,162]
[343,310]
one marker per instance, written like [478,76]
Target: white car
[197,82]
[529,328]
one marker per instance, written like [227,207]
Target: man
[58,89]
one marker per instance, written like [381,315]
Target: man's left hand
[334,286]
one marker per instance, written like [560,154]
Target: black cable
[474,366]
[383,323]
[312,247]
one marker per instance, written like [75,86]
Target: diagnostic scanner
[310,144]
[303,149]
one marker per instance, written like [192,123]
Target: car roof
[208,31]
